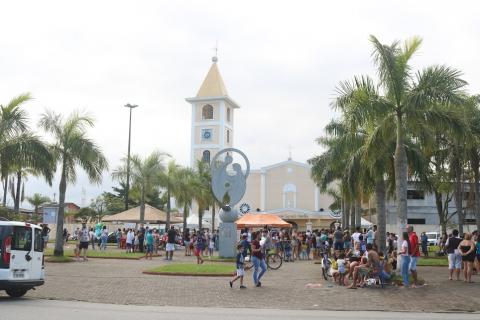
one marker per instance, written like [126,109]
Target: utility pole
[127,188]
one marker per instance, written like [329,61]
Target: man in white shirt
[130,239]
[356,235]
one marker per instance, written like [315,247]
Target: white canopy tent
[192,222]
[365,223]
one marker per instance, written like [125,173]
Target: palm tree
[203,189]
[168,182]
[145,176]
[20,150]
[184,191]
[37,200]
[408,100]
[72,148]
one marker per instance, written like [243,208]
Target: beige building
[285,189]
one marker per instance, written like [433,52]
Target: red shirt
[256,245]
[414,243]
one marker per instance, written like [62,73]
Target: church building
[285,188]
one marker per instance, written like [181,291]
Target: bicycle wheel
[274,261]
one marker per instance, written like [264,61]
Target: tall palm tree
[184,191]
[72,148]
[203,189]
[37,200]
[409,100]
[145,175]
[168,182]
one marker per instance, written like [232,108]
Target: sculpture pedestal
[228,233]
[228,239]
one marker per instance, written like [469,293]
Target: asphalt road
[38,309]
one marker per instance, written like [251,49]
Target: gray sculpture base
[228,239]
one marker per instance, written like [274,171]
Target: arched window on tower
[206,156]
[228,136]
[207,112]
[228,114]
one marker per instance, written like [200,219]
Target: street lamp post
[127,189]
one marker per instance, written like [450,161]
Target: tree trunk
[16,206]
[5,188]
[381,215]
[342,209]
[476,175]
[213,216]
[401,180]
[358,212]
[352,215]
[200,216]
[185,215]
[347,214]
[167,224]
[142,207]
[458,191]
[441,216]
[58,251]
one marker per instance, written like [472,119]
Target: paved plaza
[122,282]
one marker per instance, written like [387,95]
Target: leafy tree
[72,148]
[37,200]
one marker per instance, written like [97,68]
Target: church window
[228,114]
[207,112]
[206,156]
[289,196]
[228,136]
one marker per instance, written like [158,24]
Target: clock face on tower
[206,134]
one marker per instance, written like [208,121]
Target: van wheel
[16,293]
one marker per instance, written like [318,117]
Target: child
[303,254]
[136,242]
[341,269]
[240,267]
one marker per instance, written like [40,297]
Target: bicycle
[273,260]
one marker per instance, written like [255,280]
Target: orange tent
[259,220]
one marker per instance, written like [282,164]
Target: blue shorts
[338,246]
[413,263]
[149,248]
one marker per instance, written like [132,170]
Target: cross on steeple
[215,57]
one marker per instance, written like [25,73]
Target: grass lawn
[195,269]
[440,261]
[100,254]
[62,259]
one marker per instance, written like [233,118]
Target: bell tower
[212,117]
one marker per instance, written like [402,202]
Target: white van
[21,257]
[433,238]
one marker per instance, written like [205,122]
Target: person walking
[170,246]
[406,249]
[338,240]
[424,242]
[92,238]
[414,254]
[258,260]
[130,240]
[467,248]
[240,263]
[454,255]
[200,246]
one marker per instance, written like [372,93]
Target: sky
[280,60]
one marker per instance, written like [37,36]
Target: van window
[22,238]
[38,244]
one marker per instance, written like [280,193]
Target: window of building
[470,221]
[415,194]
[228,114]
[289,196]
[416,221]
[206,156]
[207,112]
[228,136]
